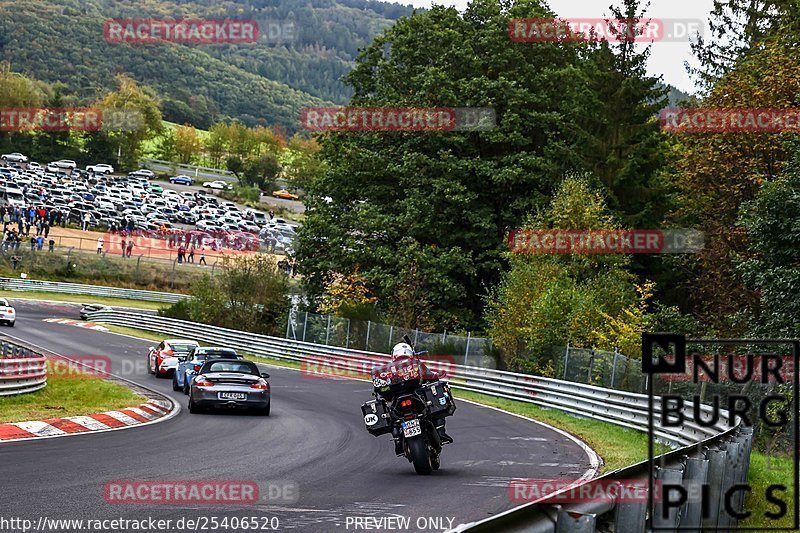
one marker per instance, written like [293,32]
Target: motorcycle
[412,407]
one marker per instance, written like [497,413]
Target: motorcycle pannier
[374,419]
[439,399]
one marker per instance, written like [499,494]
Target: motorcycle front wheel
[419,455]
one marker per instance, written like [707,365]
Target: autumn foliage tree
[547,300]
[716,172]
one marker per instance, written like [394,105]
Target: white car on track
[8,315]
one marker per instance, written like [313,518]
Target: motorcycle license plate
[232,396]
[411,428]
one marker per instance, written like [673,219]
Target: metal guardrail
[21,369]
[13,284]
[718,454]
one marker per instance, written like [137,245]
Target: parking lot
[100,199]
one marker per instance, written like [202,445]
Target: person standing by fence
[100,243]
[202,256]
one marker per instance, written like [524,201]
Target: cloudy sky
[666,58]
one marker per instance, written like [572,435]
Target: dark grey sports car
[230,383]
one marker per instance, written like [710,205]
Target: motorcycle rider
[403,355]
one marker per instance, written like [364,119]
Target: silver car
[230,383]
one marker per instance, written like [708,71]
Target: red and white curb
[76,323]
[145,413]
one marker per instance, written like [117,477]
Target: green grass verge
[68,393]
[76,298]
[766,471]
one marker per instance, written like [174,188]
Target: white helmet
[402,350]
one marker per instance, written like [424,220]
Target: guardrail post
[347,340]
[732,476]
[305,326]
[366,344]
[566,361]
[694,479]
[630,515]
[575,522]
[715,478]
[667,476]
[747,432]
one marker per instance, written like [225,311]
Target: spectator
[181,253]
[14,262]
[86,219]
[190,258]
[46,230]
[33,244]
[202,256]
[51,245]
[130,247]
[6,220]
[271,214]
[39,242]
[123,247]
[100,243]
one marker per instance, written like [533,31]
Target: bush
[180,310]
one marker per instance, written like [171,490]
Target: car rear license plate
[411,428]
[232,396]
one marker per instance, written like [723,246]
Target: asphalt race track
[315,438]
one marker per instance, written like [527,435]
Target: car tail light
[406,403]
[197,368]
[260,384]
[203,382]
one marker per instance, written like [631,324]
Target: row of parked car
[212,377]
[108,201]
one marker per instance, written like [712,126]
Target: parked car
[230,383]
[163,359]
[142,172]
[218,185]
[100,168]
[14,157]
[189,366]
[181,180]
[286,195]
[65,163]
[8,315]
